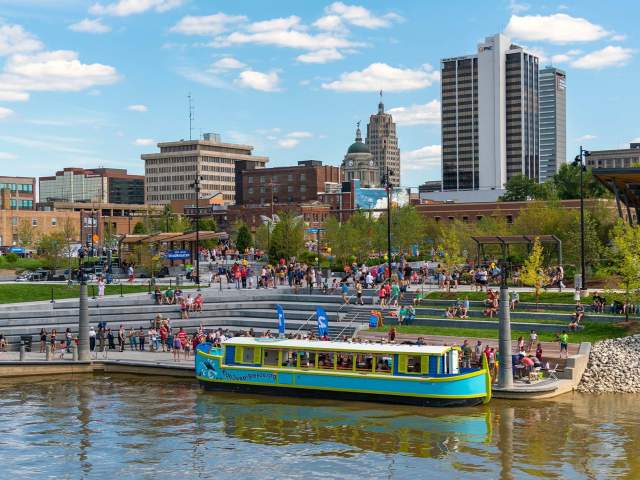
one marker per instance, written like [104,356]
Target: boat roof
[337,346]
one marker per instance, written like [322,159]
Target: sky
[98,83]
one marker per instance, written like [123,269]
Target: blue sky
[98,83]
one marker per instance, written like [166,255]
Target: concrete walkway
[157,358]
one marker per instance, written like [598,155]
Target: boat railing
[349,325]
[301,327]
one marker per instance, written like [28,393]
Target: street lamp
[386,182]
[196,185]
[580,161]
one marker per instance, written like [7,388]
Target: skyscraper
[490,116]
[553,121]
[383,144]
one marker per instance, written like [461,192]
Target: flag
[323,321]
[280,313]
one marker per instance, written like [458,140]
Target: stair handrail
[348,325]
[305,322]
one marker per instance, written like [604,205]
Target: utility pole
[196,185]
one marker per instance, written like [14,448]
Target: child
[61,349]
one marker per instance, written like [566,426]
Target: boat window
[247,355]
[270,357]
[364,362]
[307,359]
[326,360]
[289,358]
[414,364]
[383,364]
[345,361]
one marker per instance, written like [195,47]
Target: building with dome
[359,164]
[383,144]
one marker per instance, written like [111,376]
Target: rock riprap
[614,367]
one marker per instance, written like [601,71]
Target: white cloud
[331,23]
[90,25]
[557,28]
[209,78]
[610,56]
[144,142]
[7,156]
[7,96]
[227,63]
[288,142]
[265,82]
[124,8]
[320,56]
[587,137]
[283,23]
[565,57]
[14,39]
[380,76]
[287,38]
[618,38]
[59,70]
[5,113]
[206,25]
[138,107]
[359,16]
[427,113]
[300,134]
[517,8]
[425,157]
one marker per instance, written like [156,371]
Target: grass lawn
[526,297]
[28,292]
[591,333]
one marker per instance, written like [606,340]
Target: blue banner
[323,321]
[177,254]
[280,313]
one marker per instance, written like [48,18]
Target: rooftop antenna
[191,117]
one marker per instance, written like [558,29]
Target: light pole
[386,182]
[505,374]
[129,217]
[83,320]
[196,185]
[580,161]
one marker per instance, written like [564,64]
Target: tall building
[383,144]
[284,185]
[21,192]
[359,163]
[170,174]
[490,116]
[618,158]
[99,185]
[553,121]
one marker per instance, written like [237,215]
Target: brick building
[285,185]
[22,192]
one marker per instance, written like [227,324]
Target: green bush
[11,258]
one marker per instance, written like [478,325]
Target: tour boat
[410,374]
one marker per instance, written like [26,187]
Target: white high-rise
[490,116]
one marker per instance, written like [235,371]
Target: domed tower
[358,163]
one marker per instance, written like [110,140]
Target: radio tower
[191,117]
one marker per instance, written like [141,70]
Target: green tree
[567,183]
[287,237]
[140,228]
[450,247]
[626,245]
[518,188]
[52,247]
[25,233]
[243,239]
[206,224]
[532,273]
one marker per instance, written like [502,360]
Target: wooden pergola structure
[171,240]
[624,183]
[505,241]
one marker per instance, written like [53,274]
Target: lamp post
[580,161]
[386,182]
[196,185]
[83,320]
[505,374]
[129,217]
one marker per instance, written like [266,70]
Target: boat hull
[340,395]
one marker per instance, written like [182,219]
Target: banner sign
[177,254]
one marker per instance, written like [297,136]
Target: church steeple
[380,105]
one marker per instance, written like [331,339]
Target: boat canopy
[337,346]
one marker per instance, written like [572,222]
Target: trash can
[26,339]
[179,280]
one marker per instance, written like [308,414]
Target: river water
[121,427]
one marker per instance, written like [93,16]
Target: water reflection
[132,427]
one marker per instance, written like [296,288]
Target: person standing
[133,343]
[359,299]
[92,339]
[101,286]
[121,338]
[43,340]
[563,338]
[67,338]
[141,339]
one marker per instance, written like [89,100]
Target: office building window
[34,222]
[54,221]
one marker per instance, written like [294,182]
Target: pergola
[171,239]
[505,241]
[624,183]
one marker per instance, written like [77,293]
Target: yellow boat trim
[485,367]
[375,392]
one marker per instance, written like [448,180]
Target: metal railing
[301,327]
[349,325]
